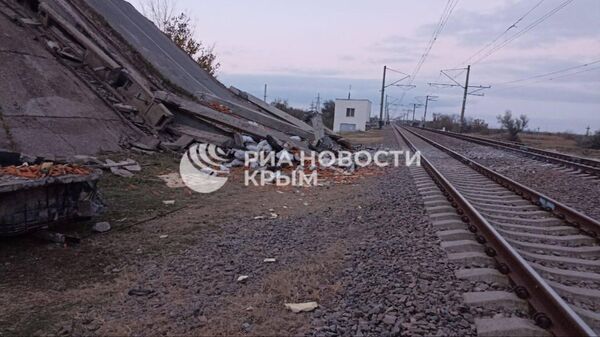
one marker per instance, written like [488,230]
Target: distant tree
[180,29]
[514,126]
[283,105]
[447,122]
[328,113]
[594,141]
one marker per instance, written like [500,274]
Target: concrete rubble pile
[81,78]
[106,79]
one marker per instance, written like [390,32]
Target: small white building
[351,115]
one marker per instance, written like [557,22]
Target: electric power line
[551,73]
[525,30]
[548,79]
[514,25]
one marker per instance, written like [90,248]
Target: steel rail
[587,165]
[552,312]
[575,218]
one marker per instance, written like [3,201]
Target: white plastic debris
[302,307]
[270,260]
[240,155]
[243,278]
[248,140]
[163,236]
[169,202]
[173,180]
[296,138]
[101,227]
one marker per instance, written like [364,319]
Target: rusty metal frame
[552,312]
[586,165]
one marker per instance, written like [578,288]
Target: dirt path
[363,251]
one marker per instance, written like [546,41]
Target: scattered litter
[173,180]
[124,168]
[101,227]
[274,216]
[260,217]
[163,236]
[140,292]
[270,260]
[302,307]
[169,202]
[243,278]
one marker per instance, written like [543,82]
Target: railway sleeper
[488,207]
[577,296]
[543,230]
[546,221]
[568,275]
[591,252]
[462,246]
[455,235]
[487,275]
[508,326]
[566,240]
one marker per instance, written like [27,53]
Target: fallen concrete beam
[198,135]
[239,124]
[271,109]
[256,116]
[90,45]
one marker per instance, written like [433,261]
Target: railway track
[490,223]
[584,165]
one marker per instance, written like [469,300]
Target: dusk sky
[304,48]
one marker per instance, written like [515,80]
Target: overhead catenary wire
[548,79]
[511,27]
[446,14]
[525,30]
[551,73]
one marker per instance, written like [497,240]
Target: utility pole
[587,133]
[466,87]
[414,111]
[318,106]
[382,98]
[427,100]
[265,97]
[464,105]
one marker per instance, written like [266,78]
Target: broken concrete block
[125,108]
[147,143]
[158,116]
[101,227]
[302,307]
